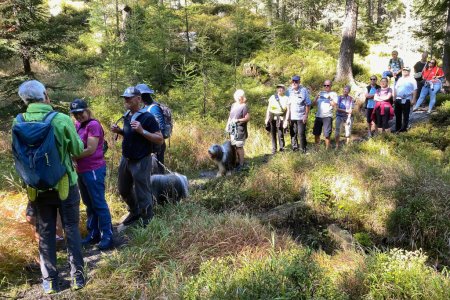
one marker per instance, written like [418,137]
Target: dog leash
[165,168]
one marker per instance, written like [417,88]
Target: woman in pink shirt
[383,111]
[91,169]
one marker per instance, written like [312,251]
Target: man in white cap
[298,107]
[49,202]
[140,132]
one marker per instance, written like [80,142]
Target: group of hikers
[41,134]
[289,109]
[80,149]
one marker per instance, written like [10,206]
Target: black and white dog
[224,157]
[169,187]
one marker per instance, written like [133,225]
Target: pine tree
[29,31]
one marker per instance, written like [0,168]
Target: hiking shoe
[429,111]
[130,219]
[78,282]
[90,240]
[105,244]
[146,215]
[415,109]
[50,286]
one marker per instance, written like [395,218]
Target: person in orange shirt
[432,76]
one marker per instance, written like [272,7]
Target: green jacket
[68,141]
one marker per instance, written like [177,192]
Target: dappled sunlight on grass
[17,245]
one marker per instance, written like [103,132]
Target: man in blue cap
[298,107]
[140,133]
[154,108]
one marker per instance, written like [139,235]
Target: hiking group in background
[291,108]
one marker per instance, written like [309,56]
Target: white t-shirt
[324,107]
[405,87]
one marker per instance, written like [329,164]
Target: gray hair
[32,91]
[238,95]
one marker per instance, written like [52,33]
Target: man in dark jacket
[140,133]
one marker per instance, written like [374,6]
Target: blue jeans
[47,205]
[92,189]
[390,74]
[426,89]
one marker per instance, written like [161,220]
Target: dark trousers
[134,185]
[276,128]
[297,130]
[92,189]
[47,205]
[402,115]
[419,86]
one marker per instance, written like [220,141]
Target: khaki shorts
[238,144]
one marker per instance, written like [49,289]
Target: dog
[169,187]
[224,157]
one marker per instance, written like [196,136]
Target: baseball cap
[281,85]
[144,89]
[296,78]
[78,105]
[407,68]
[131,92]
[32,90]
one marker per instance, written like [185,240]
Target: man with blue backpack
[158,111]
[43,143]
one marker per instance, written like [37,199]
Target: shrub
[281,275]
[399,274]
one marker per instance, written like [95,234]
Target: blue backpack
[36,156]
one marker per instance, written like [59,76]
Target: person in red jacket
[432,76]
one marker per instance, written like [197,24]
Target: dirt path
[92,256]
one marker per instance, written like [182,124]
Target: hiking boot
[130,219]
[147,215]
[90,240]
[50,286]
[78,281]
[105,244]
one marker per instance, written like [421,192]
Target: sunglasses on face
[326,85]
[79,113]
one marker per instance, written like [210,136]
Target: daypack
[36,157]
[167,113]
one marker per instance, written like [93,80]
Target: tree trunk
[379,12]
[370,11]
[269,12]
[26,65]
[446,59]
[347,50]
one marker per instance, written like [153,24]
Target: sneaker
[50,286]
[429,111]
[415,109]
[78,282]
[105,244]
[130,219]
